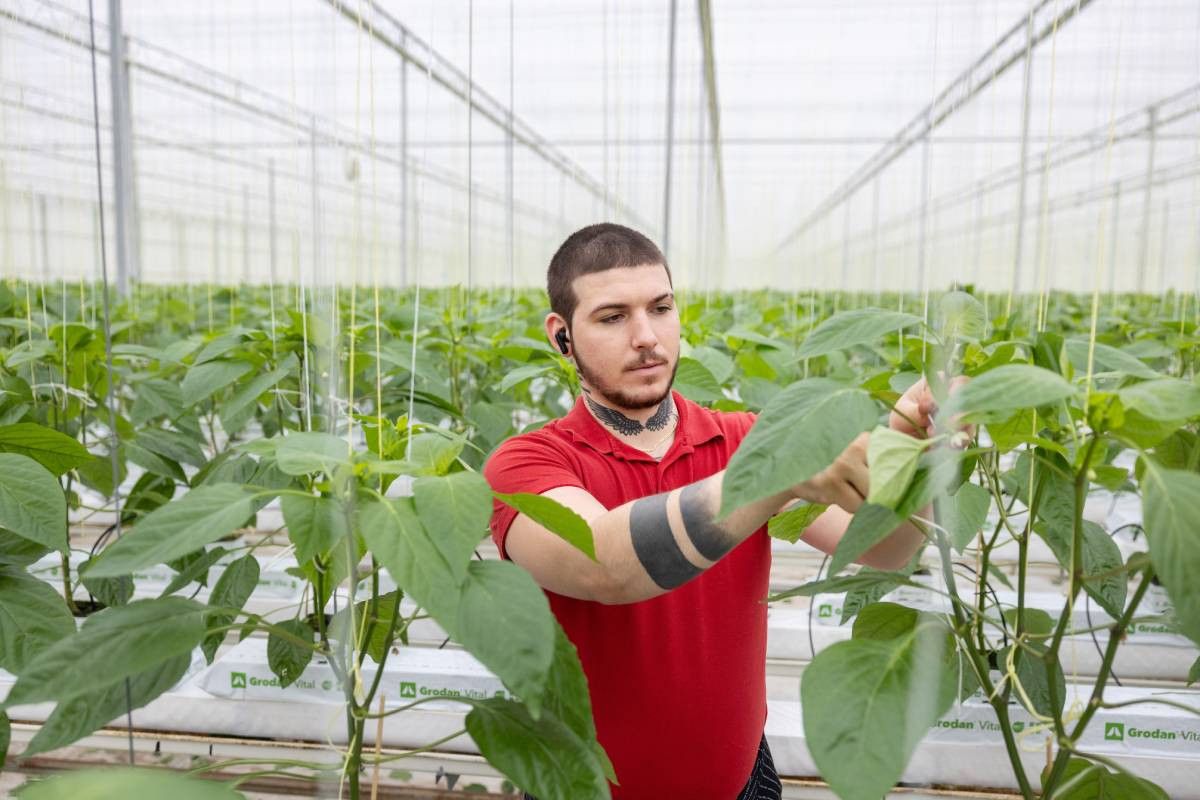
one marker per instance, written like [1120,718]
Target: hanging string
[1044,201]
[110,396]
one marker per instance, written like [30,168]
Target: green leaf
[32,504]
[554,517]
[801,432]
[885,621]
[868,702]
[863,579]
[287,659]
[245,397]
[196,570]
[434,453]
[1194,672]
[109,783]
[16,551]
[1106,359]
[504,620]
[109,591]
[961,316]
[1100,554]
[1165,400]
[113,644]
[396,537]
[302,453]
[314,524]
[1008,388]
[1172,520]
[567,696]
[156,398]
[172,445]
[233,589]
[153,462]
[870,525]
[32,617]
[385,620]
[892,460]
[1017,429]
[200,517]
[541,755]
[522,374]
[1100,784]
[74,719]
[5,736]
[715,361]
[964,513]
[203,380]
[696,383]
[860,598]
[55,451]
[851,328]
[790,525]
[455,510]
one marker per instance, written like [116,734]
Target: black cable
[812,647]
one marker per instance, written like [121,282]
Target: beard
[618,397]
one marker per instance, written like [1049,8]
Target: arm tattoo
[655,545]
[627,426]
[707,536]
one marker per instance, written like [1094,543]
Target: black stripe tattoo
[655,545]
[707,536]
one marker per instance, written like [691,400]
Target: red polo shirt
[678,682]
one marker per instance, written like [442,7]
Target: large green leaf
[233,589]
[554,517]
[395,536]
[113,644]
[885,621]
[111,783]
[1106,359]
[385,621]
[173,445]
[1165,399]
[32,504]
[801,432]
[302,453]
[870,525]
[1097,783]
[195,569]
[567,696]
[314,524]
[286,658]
[454,510]
[5,736]
[543,756]
[204,379]
[696,383]
[850,328]
[963,513]
[247,395]
[1008,388]
[32,617]
[791,524]
[869,701]
[82,715]
[200,517]
[892,460]
[961,316]
[504,620]
[16,551]
[1172,520]
[1100,555]
[55,451]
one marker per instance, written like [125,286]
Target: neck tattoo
[631,427]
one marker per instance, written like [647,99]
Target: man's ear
[556,332]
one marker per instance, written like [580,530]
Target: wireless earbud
[561,338]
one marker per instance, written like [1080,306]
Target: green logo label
[1114,731]
[408,689]
[237,680]
[1018,726]
[825,611]
[327,685]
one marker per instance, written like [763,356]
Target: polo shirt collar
[696,426]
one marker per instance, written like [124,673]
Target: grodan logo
[1114,731]
[408,689]
[825,611]
[237,680]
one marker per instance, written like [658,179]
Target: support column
[1147,195]
[125,209]
[1019,244]
[666,223]
[1114,223]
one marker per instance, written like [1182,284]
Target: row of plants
[221,401]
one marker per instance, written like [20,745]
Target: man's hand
[914,411]
[844,483]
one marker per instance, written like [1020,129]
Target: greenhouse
[714,400]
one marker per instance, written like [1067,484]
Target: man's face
[625,335]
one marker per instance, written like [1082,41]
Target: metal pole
[45,236]
[245,234]
[1114,223]
[875,240]
[509,184]
[1019,245]
[122,128]
[924,220]
[666,223]
[471,142]
[404,211]
[1162,255]
[977,228]
[845,249]
[1147,194]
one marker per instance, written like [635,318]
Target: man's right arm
[651,545]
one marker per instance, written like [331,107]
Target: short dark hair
[596,248]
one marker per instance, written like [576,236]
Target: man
[669,621]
